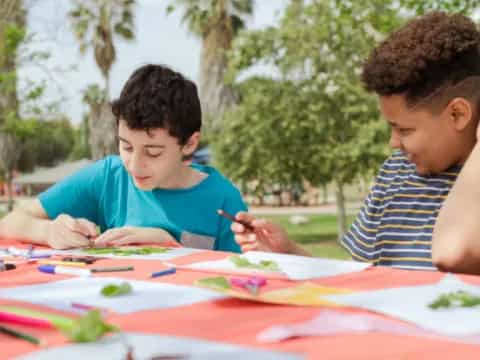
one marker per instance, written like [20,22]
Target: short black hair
[431,55]
[155,96]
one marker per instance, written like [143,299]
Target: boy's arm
[456,235]
[31,224]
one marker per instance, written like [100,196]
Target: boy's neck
[186,178]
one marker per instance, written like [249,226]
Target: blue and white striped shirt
[395,225]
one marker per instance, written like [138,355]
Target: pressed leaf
[266,265]
[112,290]
[218,283]
[88,328]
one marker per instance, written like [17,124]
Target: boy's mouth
[141,178]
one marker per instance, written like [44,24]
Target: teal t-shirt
[105,194]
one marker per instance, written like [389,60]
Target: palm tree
[216,22]
[95,23]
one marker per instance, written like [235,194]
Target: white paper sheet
[411,304]
[144,296]
[291,266]
[330,323]
[172,253]
[146,347]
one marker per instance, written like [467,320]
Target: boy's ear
[460,111]
[192,144]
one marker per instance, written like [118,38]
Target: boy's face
[433,142]
[153,159]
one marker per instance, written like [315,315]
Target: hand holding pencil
[260,234]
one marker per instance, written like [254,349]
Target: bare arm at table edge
[456,235]
[31,224]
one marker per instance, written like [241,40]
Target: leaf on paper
[111,290]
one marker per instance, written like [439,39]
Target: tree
[216,22]
[96,23]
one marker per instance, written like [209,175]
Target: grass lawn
[318,236]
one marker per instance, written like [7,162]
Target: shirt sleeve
[360,240]
[78,195]
[225,240]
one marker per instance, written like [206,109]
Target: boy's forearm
[456,236]
[21,226]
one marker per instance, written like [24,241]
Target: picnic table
[238,322]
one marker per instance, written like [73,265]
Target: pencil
[19,335]
[111,269]
[234,219]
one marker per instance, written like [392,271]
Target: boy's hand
[67,232]
[267,236]
[135,235]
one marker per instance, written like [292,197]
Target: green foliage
[316,122]
[88,328]
[42,143]
[458,298]
[113,290]
[466,7]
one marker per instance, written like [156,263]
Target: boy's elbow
[447,262]
[455,258]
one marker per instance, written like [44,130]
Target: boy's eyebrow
[154,146]
[146,146]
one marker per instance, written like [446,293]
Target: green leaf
[126,252]
[266,265]
[217,283]
[455,299]
[116,290]
[88,328]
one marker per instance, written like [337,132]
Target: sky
[159,39]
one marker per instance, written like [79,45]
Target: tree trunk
[102,128]
[341,211]
[9,181]
[215,95]
[325,194]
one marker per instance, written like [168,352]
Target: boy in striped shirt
[427,78]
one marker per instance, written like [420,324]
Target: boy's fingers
[250,247]
[108,237]
[245,239]
[88,227]
[237,227]
[244,216]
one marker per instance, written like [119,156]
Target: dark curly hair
[157,97]
[429,58]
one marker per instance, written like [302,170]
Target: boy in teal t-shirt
[148,194]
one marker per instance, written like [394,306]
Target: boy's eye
[404,131]
[154,155]
[127,149]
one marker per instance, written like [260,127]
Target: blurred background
[285,114]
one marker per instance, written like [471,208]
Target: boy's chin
[144,187]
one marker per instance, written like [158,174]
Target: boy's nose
[394,141]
